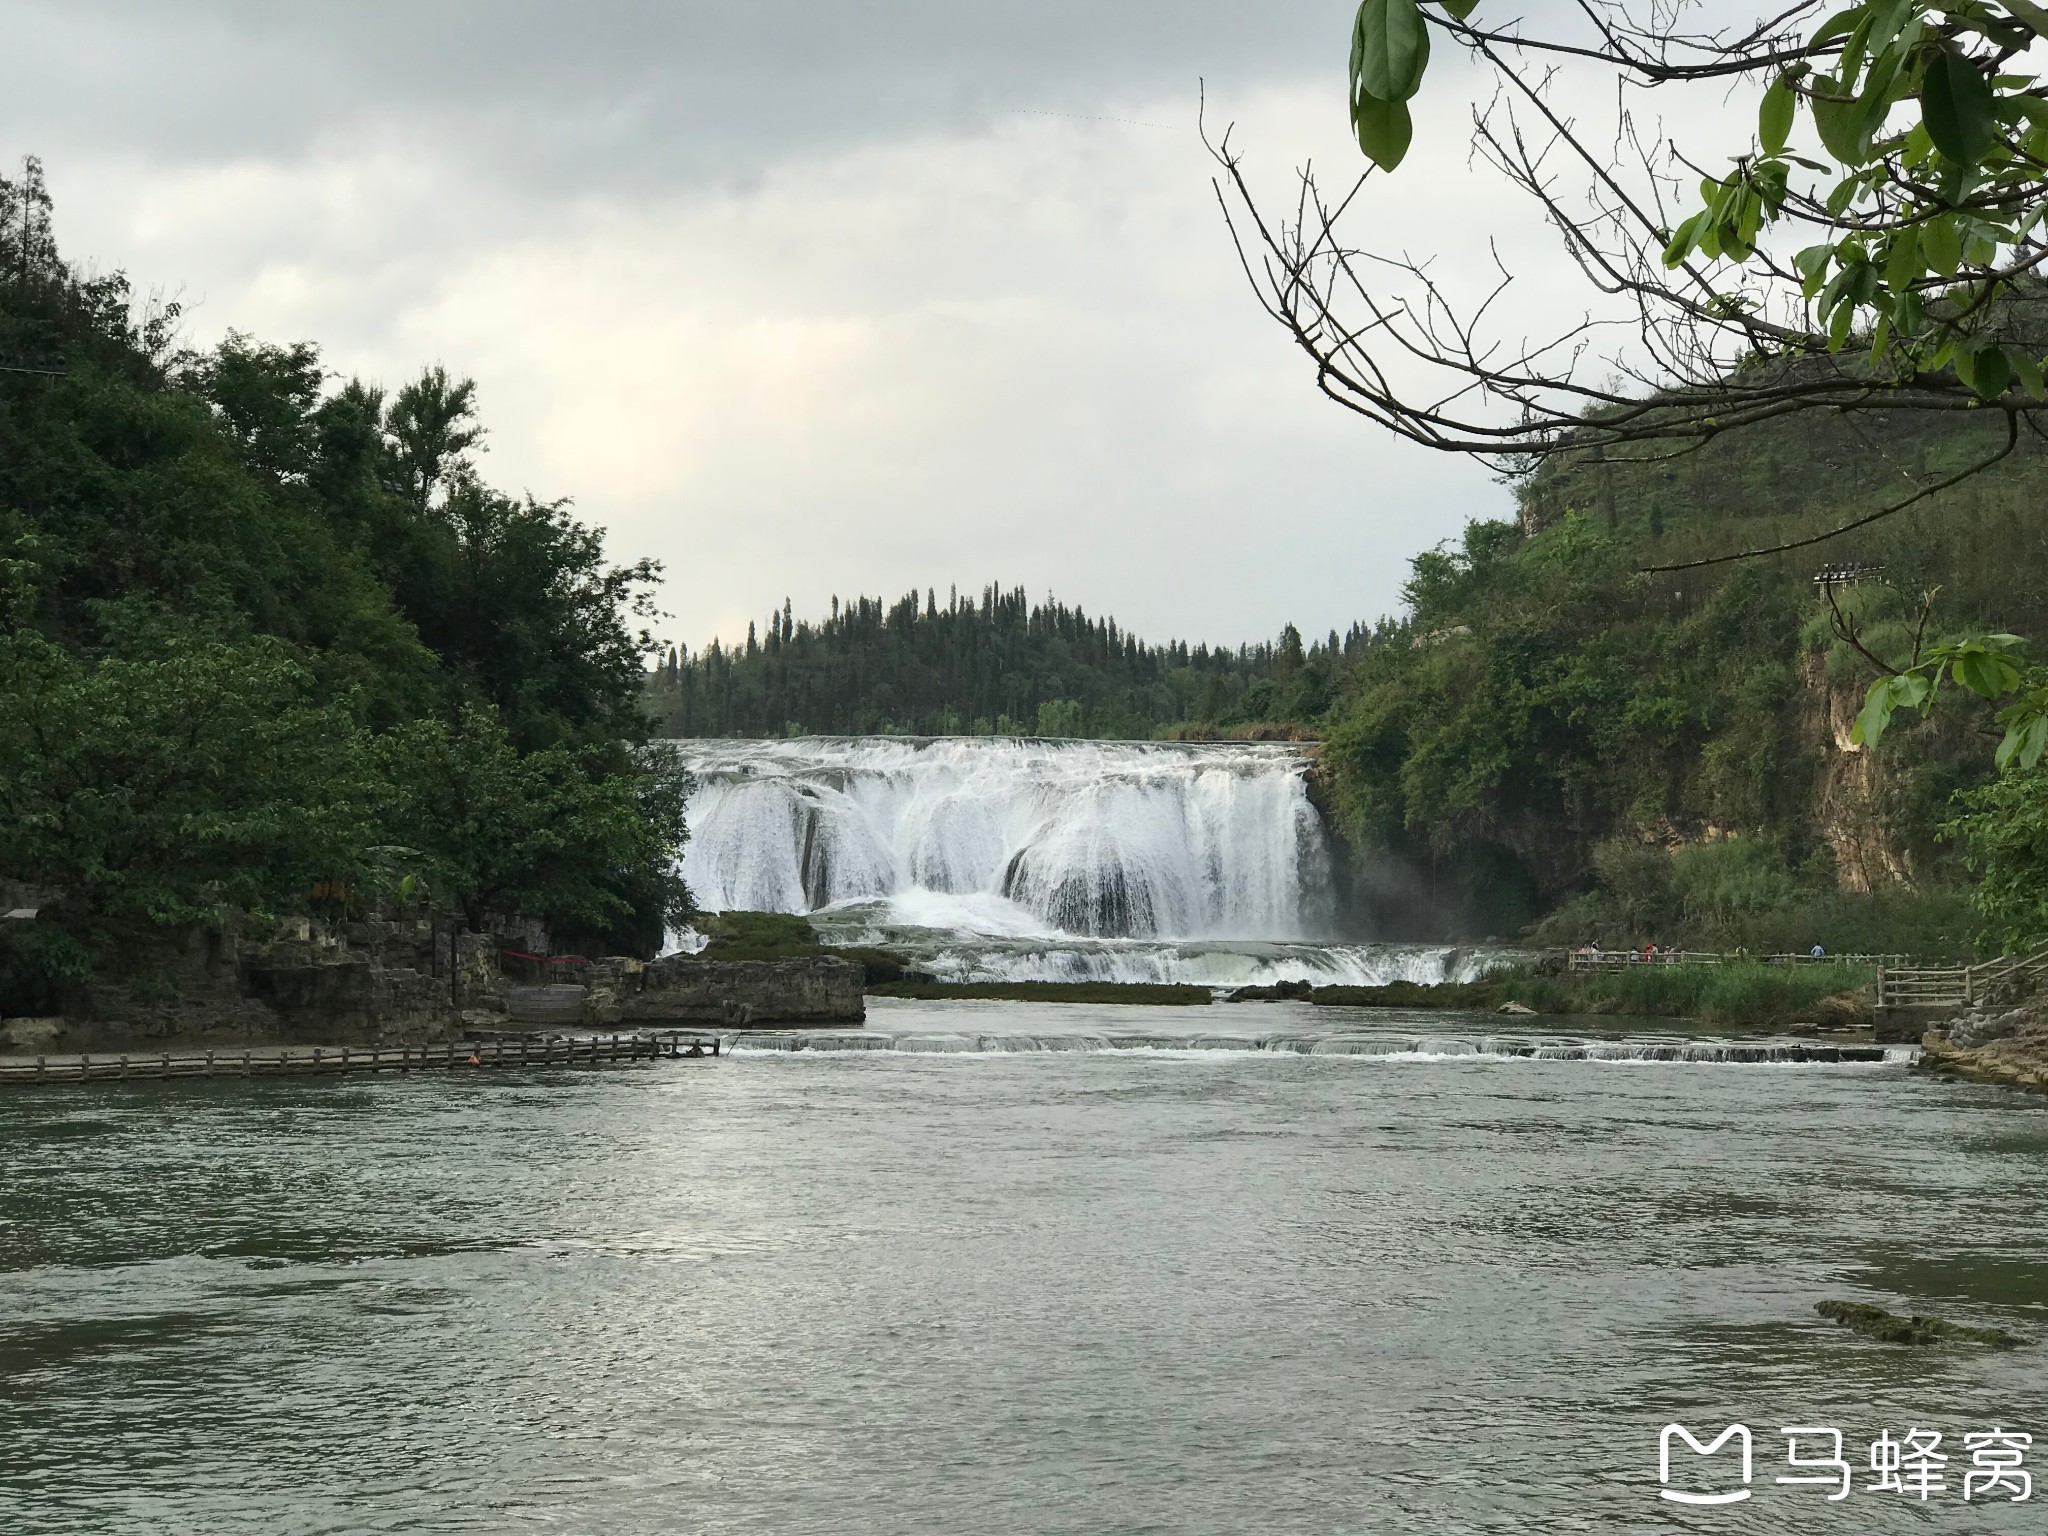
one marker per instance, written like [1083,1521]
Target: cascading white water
[1014,837]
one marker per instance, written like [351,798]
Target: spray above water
[1016,838]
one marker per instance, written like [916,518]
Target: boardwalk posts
[84,1067]
[167,1063]
[245,1063]
[344,1058]
[209,1063]
[124,1066]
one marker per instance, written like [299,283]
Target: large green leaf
[1383,128]
[1942,244]
[1902,262]
[1842,125]
[1390,41]
[2029,15]
[1774,121]
[1957,104]
[1992,374]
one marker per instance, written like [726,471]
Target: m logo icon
[1732,1432]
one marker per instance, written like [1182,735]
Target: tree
[520,602]
[1869,249]
[216,577]
[433,426]
[157,789]
[2003,830]
[539,832]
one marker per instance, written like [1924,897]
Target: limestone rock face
[1996,1045]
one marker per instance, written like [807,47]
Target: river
[967,1289]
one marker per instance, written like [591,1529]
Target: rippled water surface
[992,1291]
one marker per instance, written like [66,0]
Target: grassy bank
[1045,992]
[1741,992]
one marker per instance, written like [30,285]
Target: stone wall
[313,983]
[685,990]
[303,982]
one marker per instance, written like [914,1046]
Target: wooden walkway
[325,1061]
[1957,986]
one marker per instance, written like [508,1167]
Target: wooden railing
[303,1061]
[1959,986]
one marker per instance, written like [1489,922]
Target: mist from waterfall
[1015,838]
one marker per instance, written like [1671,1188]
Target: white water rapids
[1006,859]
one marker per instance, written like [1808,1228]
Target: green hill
[996,665]
[1555,736]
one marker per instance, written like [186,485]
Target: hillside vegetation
[1553,738]
[268,643]
[997,665]
[1550,742]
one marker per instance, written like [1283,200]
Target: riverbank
[2000,1043]
[1112,992]
[1738,992]
[307,983]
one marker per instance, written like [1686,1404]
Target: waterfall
[1015,837]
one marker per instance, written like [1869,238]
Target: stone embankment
[1998,1043]
[383,983]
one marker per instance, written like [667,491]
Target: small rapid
[1388,1047]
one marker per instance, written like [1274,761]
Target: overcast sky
[800,297]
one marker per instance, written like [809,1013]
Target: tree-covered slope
[266,642]
[998,665]
[1555,731]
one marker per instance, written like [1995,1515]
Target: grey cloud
[616,93]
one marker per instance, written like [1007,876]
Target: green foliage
[1002,666]
[2003,830]
[258,636]
[537,832]
[1547,723]
[1389,53]
[779,936]
[158,788]
[756,935]
[1749,993]
[1929,193]
[1986,665]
